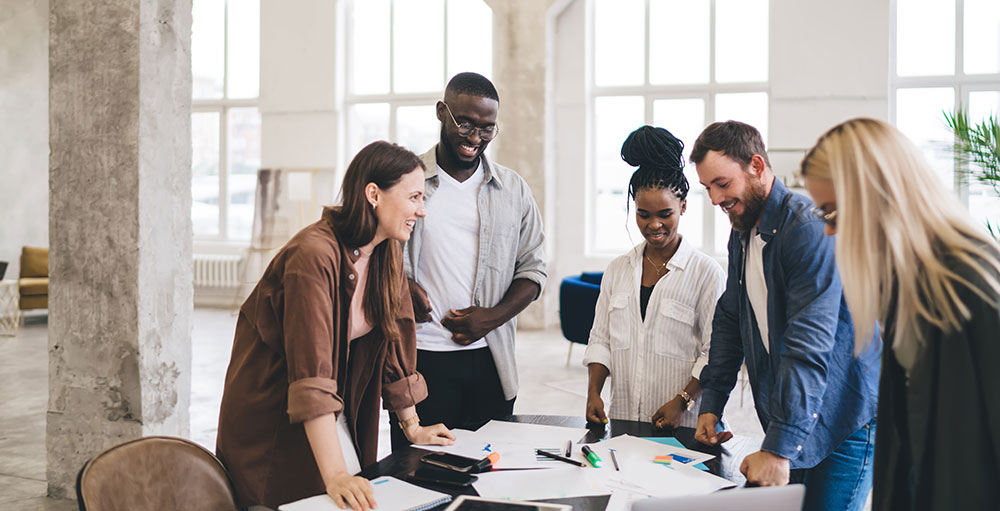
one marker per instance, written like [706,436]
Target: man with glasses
[783,313]
[475,261]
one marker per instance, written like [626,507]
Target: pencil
[560,458]
[614,459]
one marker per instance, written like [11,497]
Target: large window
[225,121]
[400,54]
[679,65]
[946,55]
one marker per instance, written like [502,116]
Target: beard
[753,205]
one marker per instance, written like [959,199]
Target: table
[10,309]
[401,462]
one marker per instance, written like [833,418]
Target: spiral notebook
[391,494]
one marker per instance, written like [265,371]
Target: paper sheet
[639,474]
[621,500]
[630,446]
[515,442]
[557,483]
[535,435]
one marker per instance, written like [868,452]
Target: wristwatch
[409,422]
[688,400]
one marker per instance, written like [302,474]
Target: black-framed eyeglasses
[466,129]
[827,218]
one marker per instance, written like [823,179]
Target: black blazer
[937,444]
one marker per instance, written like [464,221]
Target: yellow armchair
[33,284]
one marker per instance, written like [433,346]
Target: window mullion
[223,174]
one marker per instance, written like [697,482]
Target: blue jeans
[842,481]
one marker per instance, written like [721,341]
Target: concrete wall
[24,128]
[824,73]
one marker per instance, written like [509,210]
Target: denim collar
[772,216]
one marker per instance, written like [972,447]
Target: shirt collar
[679,261]
[771,217]
[430,159]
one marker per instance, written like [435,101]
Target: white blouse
[651,361]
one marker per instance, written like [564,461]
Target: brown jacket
[292,362]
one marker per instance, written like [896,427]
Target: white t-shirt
[756,285]
[448,256]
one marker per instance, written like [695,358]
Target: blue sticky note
[669,440]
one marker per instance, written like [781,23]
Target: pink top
[358,323]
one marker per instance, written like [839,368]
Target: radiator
[217,270]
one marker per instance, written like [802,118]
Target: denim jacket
[811,391]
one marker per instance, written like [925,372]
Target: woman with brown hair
[328,331]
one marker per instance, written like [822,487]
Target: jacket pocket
[619,329]
[677,321]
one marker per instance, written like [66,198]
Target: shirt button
[798,448]
[815,415]
[351,276]
[356,252]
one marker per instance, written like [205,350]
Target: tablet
[469,503]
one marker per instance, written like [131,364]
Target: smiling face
[657,213]
[824,197]
[399,206]
[463,152]
[739,191]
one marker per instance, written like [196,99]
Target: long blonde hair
[896,224]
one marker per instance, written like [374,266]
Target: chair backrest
[155,473]
[34,262]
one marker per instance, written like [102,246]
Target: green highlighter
[592,456]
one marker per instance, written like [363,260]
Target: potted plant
[977,147]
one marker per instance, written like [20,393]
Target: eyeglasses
[467,128]
[827,218]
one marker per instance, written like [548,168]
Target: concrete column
[519,70]
[120,227]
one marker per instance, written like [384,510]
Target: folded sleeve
[402,385]
[308,335]
[713,286]
[309,398]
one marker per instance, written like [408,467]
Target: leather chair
[154,473]
[577,300]
[33,284]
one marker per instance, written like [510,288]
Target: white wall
[24,128]
[829,62]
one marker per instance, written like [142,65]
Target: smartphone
[449,461]
[438,476]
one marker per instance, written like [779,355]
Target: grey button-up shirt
[511,246]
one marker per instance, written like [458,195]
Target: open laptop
[775,498]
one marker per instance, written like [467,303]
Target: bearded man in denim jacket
[784,313]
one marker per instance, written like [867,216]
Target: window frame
[961,83]
[395,100]
[650,93]
[221,107]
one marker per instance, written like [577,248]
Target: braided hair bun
[660,158]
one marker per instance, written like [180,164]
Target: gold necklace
[656,267]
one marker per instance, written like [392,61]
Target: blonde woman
[910,255]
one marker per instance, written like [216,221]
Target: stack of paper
[638,475]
